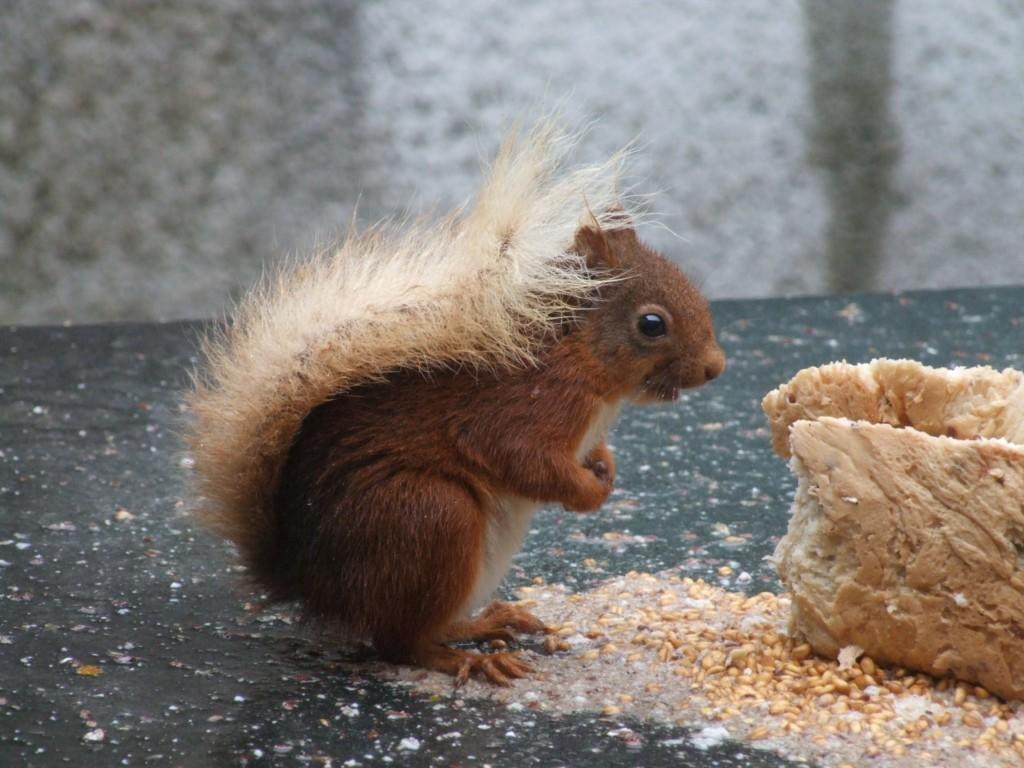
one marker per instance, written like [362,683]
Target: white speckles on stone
[710,736]
[409,744]
[911,707]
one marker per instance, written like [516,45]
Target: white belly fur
[598,429]
[507,525]
[510,519]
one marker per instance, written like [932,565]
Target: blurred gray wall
[154,156]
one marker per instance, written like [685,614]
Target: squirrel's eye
[651,325]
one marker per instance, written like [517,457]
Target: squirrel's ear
[593,246]
[621,218]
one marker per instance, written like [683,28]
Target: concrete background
[154,156]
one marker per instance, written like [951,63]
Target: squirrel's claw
[500,668]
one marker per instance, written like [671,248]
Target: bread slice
[907,532]
[963,402]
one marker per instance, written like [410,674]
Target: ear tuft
[619,219]
[592,244]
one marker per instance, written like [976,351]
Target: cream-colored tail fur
[477,288]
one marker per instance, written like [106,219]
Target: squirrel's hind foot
[500,668]
[494,623]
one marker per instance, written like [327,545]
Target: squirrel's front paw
[601,462]
[598,479]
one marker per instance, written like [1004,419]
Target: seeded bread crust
[907,532]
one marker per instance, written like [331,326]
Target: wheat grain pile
[673,650]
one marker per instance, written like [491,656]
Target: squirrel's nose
[714,364]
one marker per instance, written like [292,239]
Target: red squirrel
[389,500]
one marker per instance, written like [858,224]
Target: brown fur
[376,425]
[384,501]
[480,288]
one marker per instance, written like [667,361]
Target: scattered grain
[972,719]
[698,654]
[801,652]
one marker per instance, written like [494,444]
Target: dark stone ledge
[100,567]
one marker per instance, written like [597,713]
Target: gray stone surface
[102,569]
[154,156]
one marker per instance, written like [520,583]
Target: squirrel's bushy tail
[478,288]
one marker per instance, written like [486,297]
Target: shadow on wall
[853,139]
